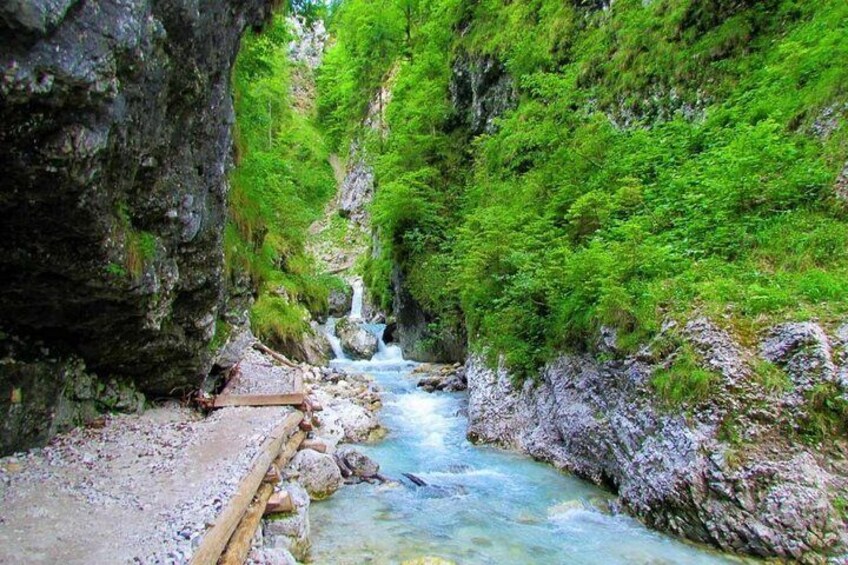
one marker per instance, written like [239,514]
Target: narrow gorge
[466,281]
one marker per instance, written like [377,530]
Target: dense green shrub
[279,187]
[664,158]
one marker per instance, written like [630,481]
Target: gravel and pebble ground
[144,488]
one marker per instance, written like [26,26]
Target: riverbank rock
[290,532]
[357,341]
[317,473]
[271,556]
[733,469]
[355,465]
[340,301]
[447,378]
[351,404]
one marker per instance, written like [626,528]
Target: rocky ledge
[745,468]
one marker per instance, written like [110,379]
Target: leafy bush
[661,160]
[279,187]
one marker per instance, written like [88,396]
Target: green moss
[222,334]
[840,504]
[116,270]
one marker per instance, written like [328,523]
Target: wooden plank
[215,539]
[314,444]
[259,346]
[291,447]
[238,548]
[233,377]
[289,399]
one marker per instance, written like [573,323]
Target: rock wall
[731,471]
[480,91]
[413,332]
[116,119]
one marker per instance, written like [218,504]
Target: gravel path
[137,489]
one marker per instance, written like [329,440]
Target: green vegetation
[840,503]
[771,377]
[660,160]
[827,413]
[279,187]
[684,382]
[222,334]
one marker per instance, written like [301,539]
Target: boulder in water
[448,378]
[356,465]
[357,342]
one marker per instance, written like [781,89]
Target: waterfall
[385,352]
[386,355]
[356,306]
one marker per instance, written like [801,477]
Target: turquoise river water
[481,505]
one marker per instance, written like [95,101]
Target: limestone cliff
[731,470]
[116,138]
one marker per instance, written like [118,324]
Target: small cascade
[356,306]
[335,342]
[386,352]
[387,355]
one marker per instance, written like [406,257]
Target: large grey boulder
[728,470]
[357,342]
[317,473]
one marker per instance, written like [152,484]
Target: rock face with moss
[747,458]
[116,121]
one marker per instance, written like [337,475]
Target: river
[481,505]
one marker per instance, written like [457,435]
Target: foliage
[826,413]
[771,377]
[662,159]
[279,187]
[685,381]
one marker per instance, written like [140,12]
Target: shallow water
[482,505]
